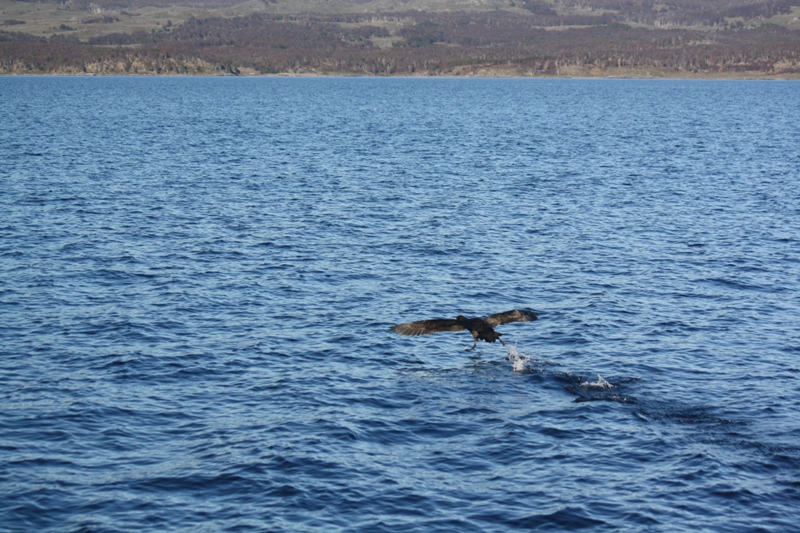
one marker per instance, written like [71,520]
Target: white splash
[599,384]
[516,358]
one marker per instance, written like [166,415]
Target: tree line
[427,43]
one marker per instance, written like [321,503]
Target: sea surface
[198,276]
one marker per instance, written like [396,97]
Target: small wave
[521,362]
[599,384]
[518,360]
[600,390]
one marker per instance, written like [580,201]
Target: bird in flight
[481,328]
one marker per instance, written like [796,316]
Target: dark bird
[481,328]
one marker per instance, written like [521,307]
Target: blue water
[197,277]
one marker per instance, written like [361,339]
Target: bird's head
[461,318]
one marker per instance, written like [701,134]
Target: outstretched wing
[426,327]
[516,315]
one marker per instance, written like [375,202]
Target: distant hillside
[741,38]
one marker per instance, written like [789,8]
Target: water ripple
[198,276]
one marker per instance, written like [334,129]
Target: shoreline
[630,75]
[199,67]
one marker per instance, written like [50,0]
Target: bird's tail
[491,336]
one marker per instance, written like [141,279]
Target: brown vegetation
[531,37]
